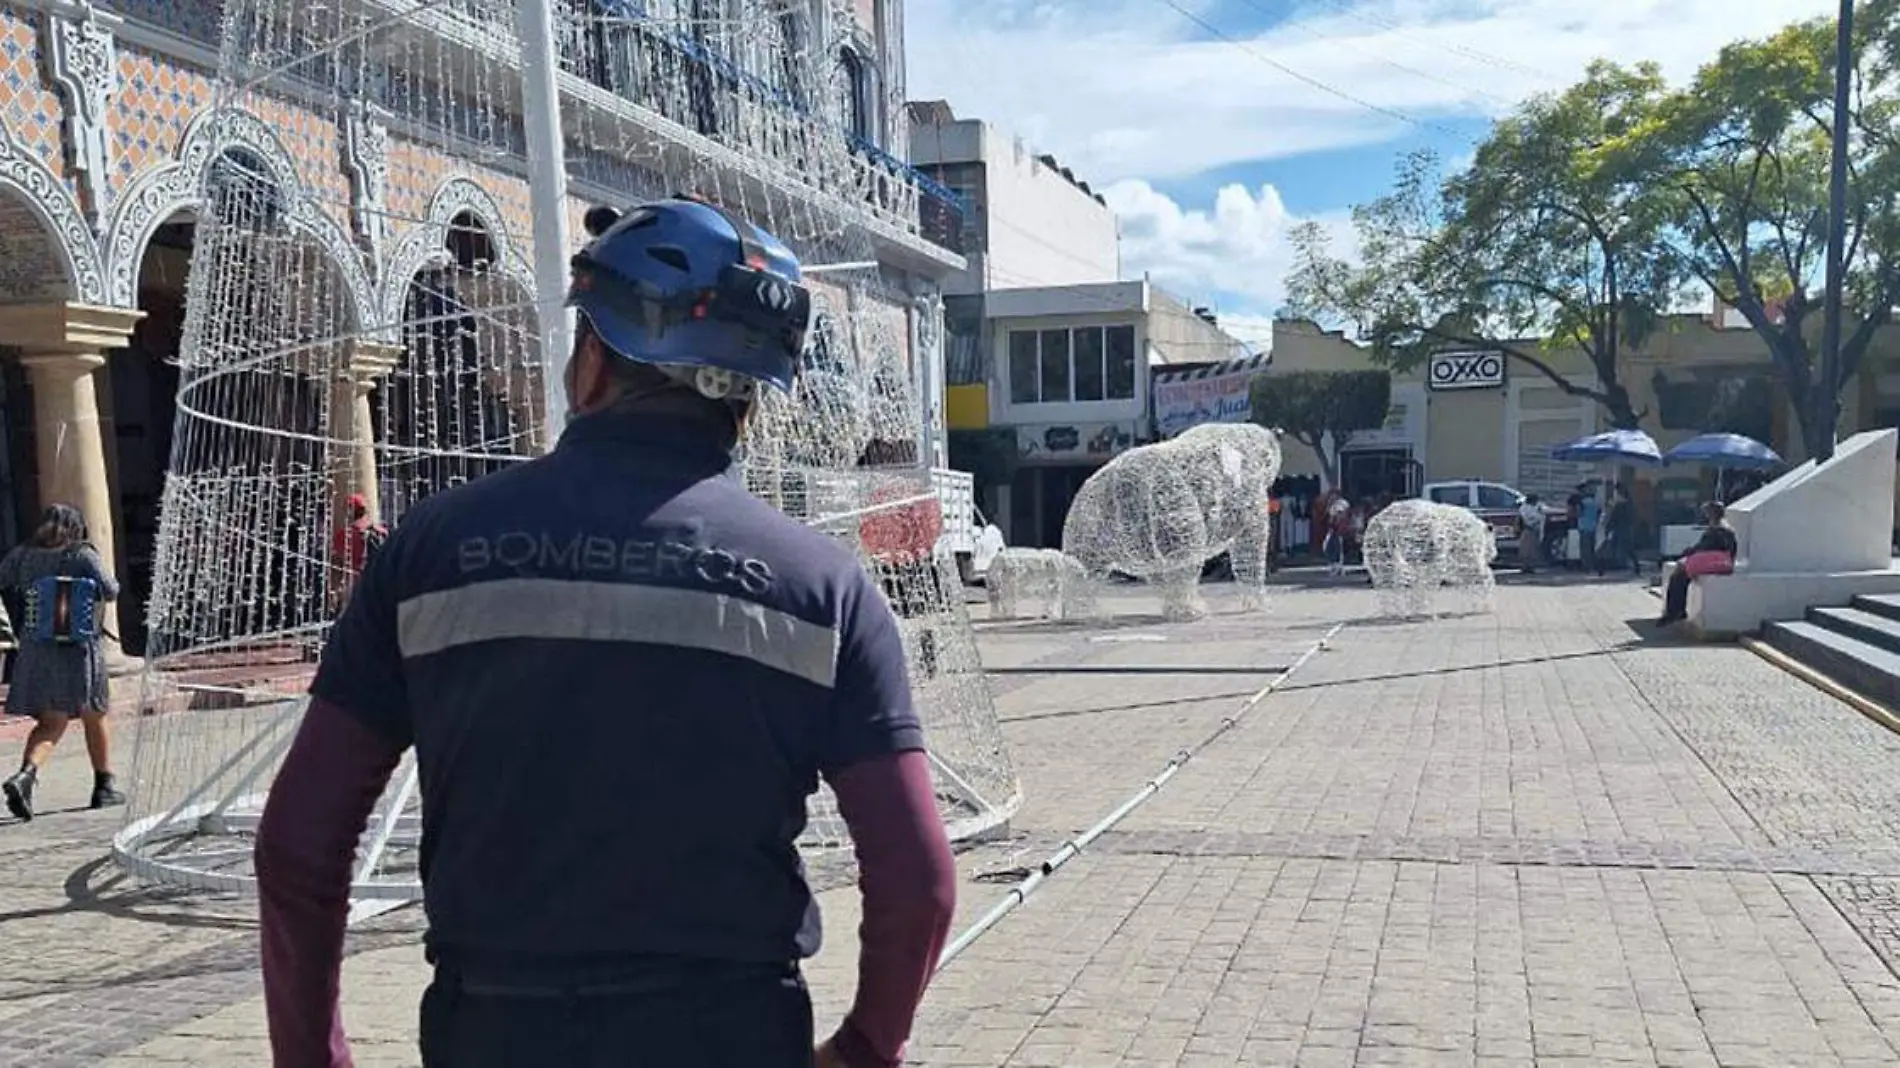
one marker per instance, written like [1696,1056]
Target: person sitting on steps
[62,666]
[1712,554]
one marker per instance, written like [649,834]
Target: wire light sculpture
[1161,512]
[1424,557]
[1025,583]
[371,332]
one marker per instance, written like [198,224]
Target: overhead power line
[1305,78]
[1385,60]
[1490,59]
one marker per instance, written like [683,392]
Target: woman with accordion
[61,668]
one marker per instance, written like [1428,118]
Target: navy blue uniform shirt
[622,675]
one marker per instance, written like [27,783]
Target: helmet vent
[672,257]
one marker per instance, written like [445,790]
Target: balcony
[943,216]
[760,105]
[748,94]
[661,99]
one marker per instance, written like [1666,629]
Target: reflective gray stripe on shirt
[617,612]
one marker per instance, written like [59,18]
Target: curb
[1861,703]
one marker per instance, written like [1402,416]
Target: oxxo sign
[1466,370]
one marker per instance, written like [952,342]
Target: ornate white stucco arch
[65,226]
[178,185]
[453,197]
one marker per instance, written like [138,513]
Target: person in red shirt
[353,544]
[1273,535]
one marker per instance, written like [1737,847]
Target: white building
[1029,221]
[1049,352]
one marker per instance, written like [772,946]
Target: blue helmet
[712,300]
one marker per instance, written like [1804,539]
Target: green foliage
[1309,405]
[1740,157]
[1587,215]
[1551,238]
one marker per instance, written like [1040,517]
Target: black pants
[1618,549]
[1676,594]
[754,1021]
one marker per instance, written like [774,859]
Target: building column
[62,345]
[354,471]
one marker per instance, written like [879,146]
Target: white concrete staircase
[1818,536]
[1857,646]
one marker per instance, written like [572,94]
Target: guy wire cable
[1073,847]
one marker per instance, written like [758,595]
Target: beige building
[1496,419]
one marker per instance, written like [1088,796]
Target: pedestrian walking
[1274,506]
[1619,543]
[623,676]
[61,671]
[1338,521]
[1589,518]
[1530,534]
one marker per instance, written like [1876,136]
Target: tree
[1744,152]
[1553,233]
[1313,407]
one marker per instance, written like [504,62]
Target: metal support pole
[1830,384]
[547,200]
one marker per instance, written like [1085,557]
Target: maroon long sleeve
[306,843]
[909,882]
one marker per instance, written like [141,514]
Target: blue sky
[1212,146]
[1323,181]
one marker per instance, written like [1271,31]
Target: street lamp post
[1830,407]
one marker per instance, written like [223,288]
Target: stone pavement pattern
[1525,838]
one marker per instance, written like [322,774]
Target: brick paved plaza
[1534,837]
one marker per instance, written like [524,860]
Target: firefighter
[623,676]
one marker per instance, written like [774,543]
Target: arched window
[469,243]
[242,191]
[854,90]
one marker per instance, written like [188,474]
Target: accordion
[62,610]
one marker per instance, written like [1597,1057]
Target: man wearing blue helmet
[623,677]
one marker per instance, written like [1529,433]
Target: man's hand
[826,1056]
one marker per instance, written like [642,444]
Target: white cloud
[1234,254]
[1128,92]
[1131,89]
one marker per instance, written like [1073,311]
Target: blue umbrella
[1726,451]
[1611,446]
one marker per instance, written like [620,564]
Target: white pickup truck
[970,539]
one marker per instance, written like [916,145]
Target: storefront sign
[1073,441]
[1217,394]
[1466,370]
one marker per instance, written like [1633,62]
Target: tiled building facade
[105,134]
